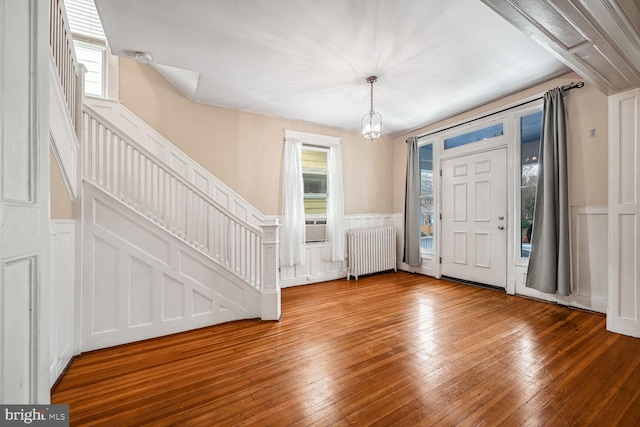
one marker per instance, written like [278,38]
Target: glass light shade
[372,125]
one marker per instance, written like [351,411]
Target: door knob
[501,227]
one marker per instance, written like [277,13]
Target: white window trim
[112,76]
[312,141]
[110,67]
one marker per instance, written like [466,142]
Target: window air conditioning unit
[316,230]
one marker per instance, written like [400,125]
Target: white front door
[474,217]
[24,202]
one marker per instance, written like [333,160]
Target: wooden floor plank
[388,349]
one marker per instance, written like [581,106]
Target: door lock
[500,218]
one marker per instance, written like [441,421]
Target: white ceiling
[308,59]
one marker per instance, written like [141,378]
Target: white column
[623,313]
[271,309]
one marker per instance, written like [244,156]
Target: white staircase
[157,244]
[160,254]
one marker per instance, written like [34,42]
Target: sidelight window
[530,134]
[427,204]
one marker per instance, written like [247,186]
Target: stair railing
[64,57]
[124,169]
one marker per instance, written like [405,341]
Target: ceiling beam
[598,39]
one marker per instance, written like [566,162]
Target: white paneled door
[474,217]
[24,214]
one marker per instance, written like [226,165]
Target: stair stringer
[140,281]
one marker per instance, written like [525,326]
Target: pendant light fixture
[372,122]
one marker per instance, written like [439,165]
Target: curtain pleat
[549,268]
[335,204]
[412,205]
[292,230]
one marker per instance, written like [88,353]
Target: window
[93,57]
[319,205]
[90,44]
[530,133]
[474,136]
[427,205]
[314,176]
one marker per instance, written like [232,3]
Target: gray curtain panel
[549,263]
[412,205]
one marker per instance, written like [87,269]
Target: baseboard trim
[309,280]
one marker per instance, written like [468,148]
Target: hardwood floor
[389,349]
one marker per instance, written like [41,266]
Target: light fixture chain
[371,96]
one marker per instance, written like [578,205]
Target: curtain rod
[568,87]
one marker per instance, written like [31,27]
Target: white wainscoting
[429,262]
[589,247]
[141,282]
[150,139]
[589,237]
[64,141]
[521,289]
[61,300]
[317,266]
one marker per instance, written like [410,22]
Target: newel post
[271,309]
[79,102]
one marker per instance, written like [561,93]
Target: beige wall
[587,109]
[244,150]
[60,202]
